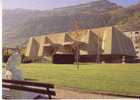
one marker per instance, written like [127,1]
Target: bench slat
[29,83]
[23,88]
[6,97]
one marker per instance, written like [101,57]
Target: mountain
[20,24]
[128,19]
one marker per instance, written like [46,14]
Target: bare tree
[77,38]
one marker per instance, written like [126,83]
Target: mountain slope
[129,18]
[20,24]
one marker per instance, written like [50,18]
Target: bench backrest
[29,86]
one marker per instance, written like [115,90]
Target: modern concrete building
[107,44]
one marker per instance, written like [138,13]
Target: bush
[5,58]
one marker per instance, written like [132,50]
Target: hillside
[20,24]
[127,19]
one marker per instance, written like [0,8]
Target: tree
[77,38]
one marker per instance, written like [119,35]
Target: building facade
[106,43]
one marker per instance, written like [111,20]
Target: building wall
[93,44]
[40,40]
[121,44]
[28,47]
[32,48]
[107,41]
[136,41]
[135,38]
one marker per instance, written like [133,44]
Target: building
[135,37]
[106,44]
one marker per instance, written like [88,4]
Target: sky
[50,4]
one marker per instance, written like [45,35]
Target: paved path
[69,94]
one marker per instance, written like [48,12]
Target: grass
[113,78]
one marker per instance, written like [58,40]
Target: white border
[1,49]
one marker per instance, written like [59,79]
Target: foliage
[6,52]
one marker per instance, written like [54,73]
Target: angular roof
[106,40]
[114,41]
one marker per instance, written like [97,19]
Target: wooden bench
[28,86]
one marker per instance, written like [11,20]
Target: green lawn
[114,78]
